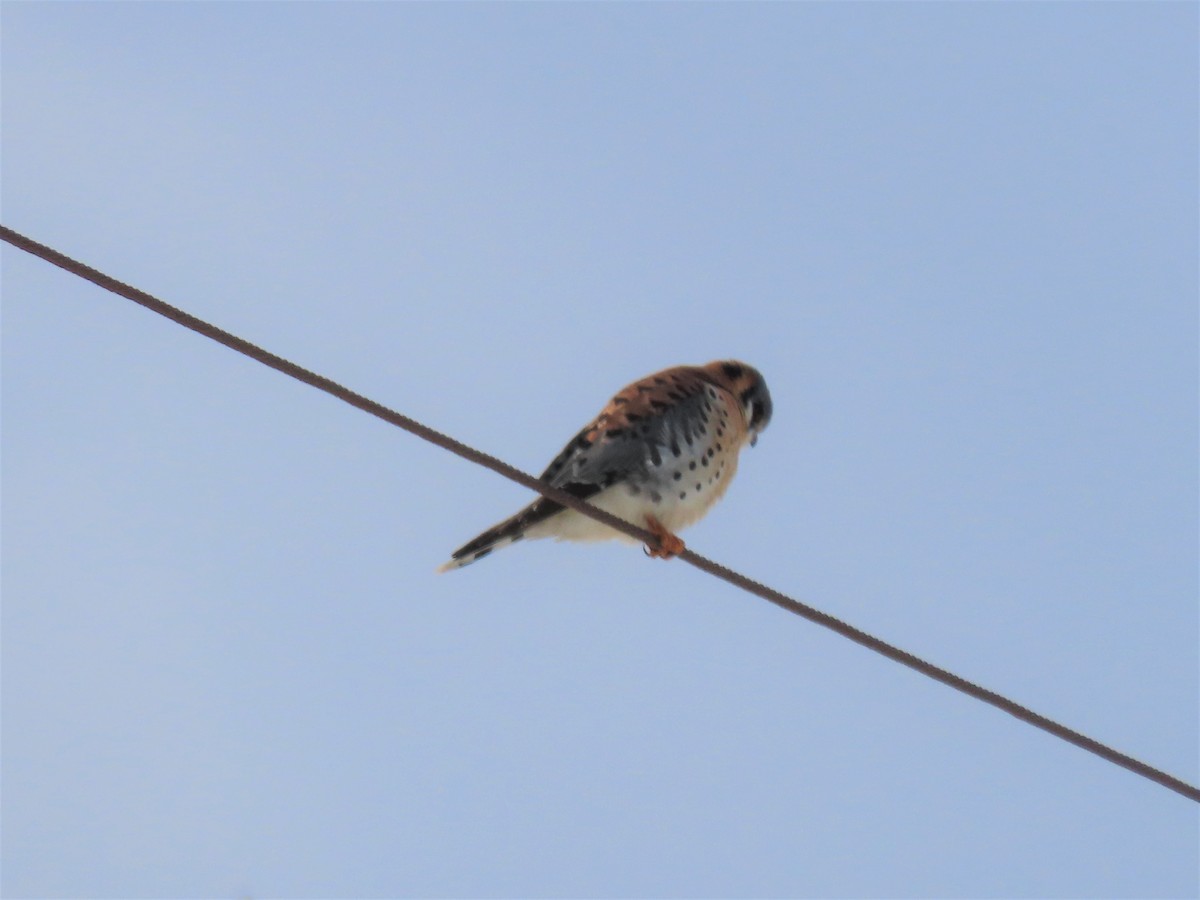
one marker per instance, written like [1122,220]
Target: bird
[659,455]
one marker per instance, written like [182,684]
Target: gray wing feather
[632,451]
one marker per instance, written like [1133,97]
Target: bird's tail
[502,534]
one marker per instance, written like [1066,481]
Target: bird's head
[745,383]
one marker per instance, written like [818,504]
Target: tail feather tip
[458,562]
[478,549]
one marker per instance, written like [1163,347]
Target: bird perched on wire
[659,455]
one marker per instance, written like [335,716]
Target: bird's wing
[650,420]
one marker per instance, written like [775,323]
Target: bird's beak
[754,439]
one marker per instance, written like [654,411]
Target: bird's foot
[668,544]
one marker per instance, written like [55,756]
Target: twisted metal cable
[502,468]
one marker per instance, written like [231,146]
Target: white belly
[676,502]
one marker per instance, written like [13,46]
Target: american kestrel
[659,455]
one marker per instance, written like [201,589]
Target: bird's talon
[669,545]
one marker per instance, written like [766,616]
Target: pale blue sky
[960,242]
